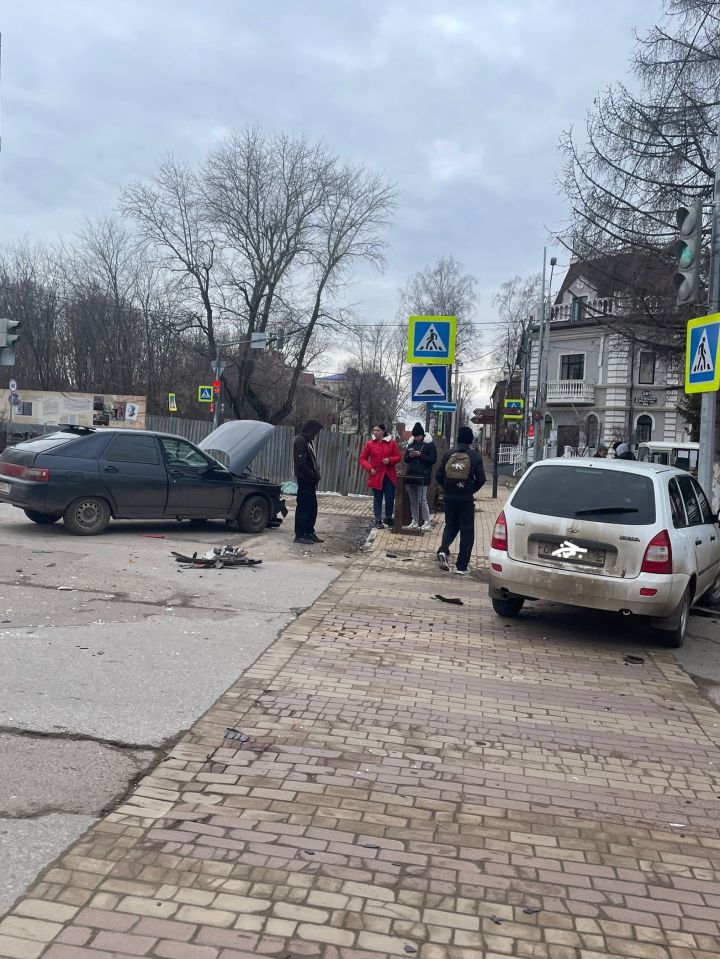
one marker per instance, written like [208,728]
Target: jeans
[388,493]
[459,518]
[417,493]
[306,508]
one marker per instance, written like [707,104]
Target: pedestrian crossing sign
[431,340]
[702,354]
[205,394]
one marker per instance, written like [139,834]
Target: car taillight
[499,536]
[37,474]
[658,555]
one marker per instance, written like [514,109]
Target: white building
[604,385]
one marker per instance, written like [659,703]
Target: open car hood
[237,442]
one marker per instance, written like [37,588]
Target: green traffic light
[685,255]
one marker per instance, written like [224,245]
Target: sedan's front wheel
[254,514]
[87,516]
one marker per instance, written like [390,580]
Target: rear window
[577,492]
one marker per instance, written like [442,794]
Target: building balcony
[570,391]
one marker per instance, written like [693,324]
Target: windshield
[608,496]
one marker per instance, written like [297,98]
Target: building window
[592,430]
[646,375]
[643,429]
[572,366]
[579,309]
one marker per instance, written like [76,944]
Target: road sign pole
[706,457]
[454,419]
[539,404]
[218,398]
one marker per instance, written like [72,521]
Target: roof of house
[632,272]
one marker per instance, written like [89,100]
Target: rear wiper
[602,510]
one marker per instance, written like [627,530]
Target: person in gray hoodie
[308,476]
[420,457]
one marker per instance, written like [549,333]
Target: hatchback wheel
[509,608]
[675,636]
[254,515]
[87,516]
[44,519]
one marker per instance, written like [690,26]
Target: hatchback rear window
[601,495]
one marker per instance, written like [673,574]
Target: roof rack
[73,428]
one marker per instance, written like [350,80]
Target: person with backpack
[420,457]
[461,475]
[379,458]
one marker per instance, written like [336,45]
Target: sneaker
[315,538]
[425,527]
[378,524]
[412,525]
[461,572]
[388,521]
[304,540]
[442,559]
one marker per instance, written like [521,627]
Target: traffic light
[216,387]
[687,252]
[9,334]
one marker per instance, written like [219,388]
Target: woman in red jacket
[379,457]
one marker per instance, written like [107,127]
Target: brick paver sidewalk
[398,776]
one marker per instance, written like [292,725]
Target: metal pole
[706,458]
[496,454]
[541,355]
[454,418]
[218,398]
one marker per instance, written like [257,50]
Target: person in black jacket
[308,476]
[461,475]
[420,457]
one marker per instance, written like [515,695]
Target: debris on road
[634,660]
[455,600]
[218,557]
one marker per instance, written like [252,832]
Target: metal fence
[338,453]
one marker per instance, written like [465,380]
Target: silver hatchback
[607,534]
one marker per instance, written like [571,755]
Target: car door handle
[698,542]
[111,469]
[712,539]
[176,473]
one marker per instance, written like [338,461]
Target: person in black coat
[461,474]
[420,457]
[308,476]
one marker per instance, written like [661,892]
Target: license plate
[568,552]
[4,487]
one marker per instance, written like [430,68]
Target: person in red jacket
[379,457]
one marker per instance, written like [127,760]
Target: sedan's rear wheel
[44,519]
[254,514]
[509,608]
[675,637]
[87,516]
[713,594]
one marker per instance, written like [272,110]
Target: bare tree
[515,302]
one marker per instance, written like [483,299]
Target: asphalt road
[109,651]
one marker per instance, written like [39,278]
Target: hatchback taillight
[36,474]
[658,555]
[499,536]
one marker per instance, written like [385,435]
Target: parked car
[86,476]
[607,534]
[682,455]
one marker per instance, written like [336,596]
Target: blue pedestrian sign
[702,354]
[431,339]
[429,383]
[205,394]
[443,407]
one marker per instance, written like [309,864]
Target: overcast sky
[461,103]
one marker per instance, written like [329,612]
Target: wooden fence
[338,453]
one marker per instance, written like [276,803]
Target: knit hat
[418,430]
[621,448]
[465,435]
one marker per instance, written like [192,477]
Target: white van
[684,456]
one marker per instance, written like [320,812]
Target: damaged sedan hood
[236,443]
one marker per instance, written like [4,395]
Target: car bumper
[574,588]
[25,495]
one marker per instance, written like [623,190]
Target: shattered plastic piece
[410,950]
[530,910]
[495,919]
[391,555]
[455,600]
[236,735]
[634,660]
[369,845]
[66,589]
